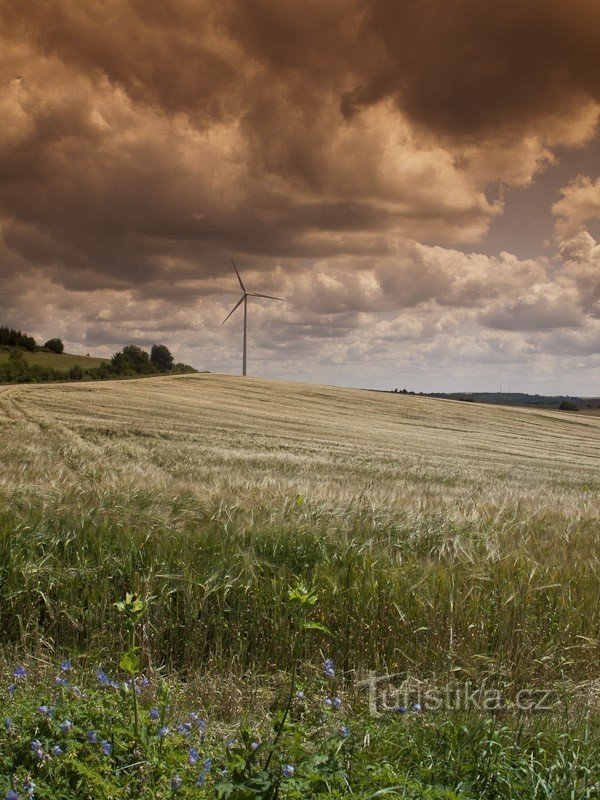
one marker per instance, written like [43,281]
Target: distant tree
[55,345]
[131,360]
[12,338]
[161,357]
[76,373]
[568,405]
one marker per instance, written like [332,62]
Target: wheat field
[440,535]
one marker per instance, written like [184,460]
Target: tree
[568,405]
[56,345]
[76,373]
[161,357]
[131,360]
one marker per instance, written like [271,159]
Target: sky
[419,180]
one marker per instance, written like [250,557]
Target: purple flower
[193,755]
[154,714]
[36,744]
[300,696]
[163,732]
[106,747]
[61,681]
[92,737]
[8,726]
[337,702]
[176,782]
[66,725]
[19,672]
[12,688]
[255,745]
[328,702]
[345,731]
[201,779]
[11,795]
[45,711]
[29,787]
[65,665]
[328,668]
[416,707]
[288,771]
[57,750]
[144,683]
[207,766]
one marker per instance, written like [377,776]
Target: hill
[58,361]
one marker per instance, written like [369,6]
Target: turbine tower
[244,299]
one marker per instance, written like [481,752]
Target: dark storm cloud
[143,143]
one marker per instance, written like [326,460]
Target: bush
[55,346]
[568,405]
[76,373]
[161,357]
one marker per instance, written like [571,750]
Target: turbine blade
[239,303]
[238,276]
[268,296]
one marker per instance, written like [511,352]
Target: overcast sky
[420,181]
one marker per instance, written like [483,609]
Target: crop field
[445,542]
[60,361]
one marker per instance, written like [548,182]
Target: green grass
[59,361]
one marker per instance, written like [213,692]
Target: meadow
[445,542]
[59,361]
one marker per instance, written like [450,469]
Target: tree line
[130,362]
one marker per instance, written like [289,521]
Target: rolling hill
[59,361]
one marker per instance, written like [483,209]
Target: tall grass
[511,598]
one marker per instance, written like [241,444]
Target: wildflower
[328,702]
[8,726]
[36,744]
[401,709]
[207,766]
[255,745]
[300,696]
[345,731]
[231,743]
[176,782]
[92,737]
[66,725]
[11,795]
[102,677]
[38,749]
[336,702]
[185,728]
[45,711]
[57,750]
[65,665]
[29,787]
[77,691]
[288,771]
[163,732]
[144,683]
[154,714]
[19,672]
[201,779]
[106,747]
[193,755]
[61,681]
[416,707]
[328,668]
[198,721]
[11,688]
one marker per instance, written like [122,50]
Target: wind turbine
[244,299]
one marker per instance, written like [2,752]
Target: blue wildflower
[144,683]
[61,681]
[19,672]
[328,702]
[57,750]
[345,731]
[288,771]
[201,779]
[8,726]
[255,745]
[102,677]
[92,737]
[163,732]
[193,755]
[29,787]
[65,665]
[12,688]
[46,711]
[154,714]
[328,668]
[11,795]
[36,744]
[336,702]
[176,782]
[207,766]
[416,707]
[66,725]
[185,728]
[299,695]
[106,747]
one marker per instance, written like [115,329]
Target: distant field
[443,537]
[61,361]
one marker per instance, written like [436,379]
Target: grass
[60,361]
[446,541]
